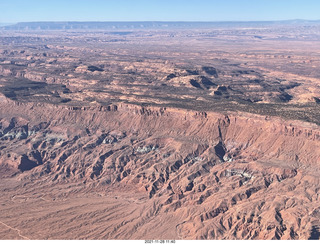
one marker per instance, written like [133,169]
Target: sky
[12,11]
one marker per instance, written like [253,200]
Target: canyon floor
[157,132]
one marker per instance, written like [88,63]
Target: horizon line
[173,21]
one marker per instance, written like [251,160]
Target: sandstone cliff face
[184,174]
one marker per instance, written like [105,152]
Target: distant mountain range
[73,25]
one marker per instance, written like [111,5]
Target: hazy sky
[153,10]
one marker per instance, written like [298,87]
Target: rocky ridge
[221,176]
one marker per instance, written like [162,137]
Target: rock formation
[166,133]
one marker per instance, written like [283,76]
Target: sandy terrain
[160,134]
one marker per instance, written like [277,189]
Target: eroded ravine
[129,172]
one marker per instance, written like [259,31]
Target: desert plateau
[160,130]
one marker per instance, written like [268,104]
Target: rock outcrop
[220,176]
